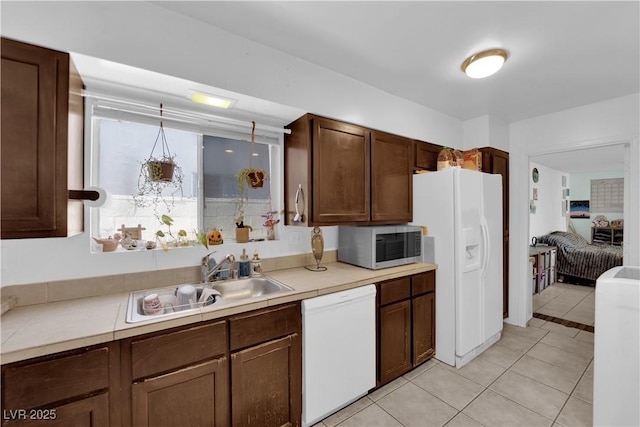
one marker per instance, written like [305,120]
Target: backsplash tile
[62,290]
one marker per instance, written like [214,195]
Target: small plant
[181,240]
[247,178]
[269,220]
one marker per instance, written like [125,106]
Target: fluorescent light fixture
[213,100]
[228,150]
[255,154]
[485,63]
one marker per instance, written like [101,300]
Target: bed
[576,258]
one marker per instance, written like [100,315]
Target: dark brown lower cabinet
[92,411]
[263,380]
[193,396]
[395,339]
[406,324]
[423,310]
[244,370]
[66,389]
[266,367]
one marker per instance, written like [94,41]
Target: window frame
[92,118]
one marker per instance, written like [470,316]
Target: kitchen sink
[248,288]
[217,294]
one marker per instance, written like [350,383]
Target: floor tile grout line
[497,378]
[571,395]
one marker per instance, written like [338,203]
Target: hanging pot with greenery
[160,177]
[247,178]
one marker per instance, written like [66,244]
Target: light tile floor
[566,301]
[541,375]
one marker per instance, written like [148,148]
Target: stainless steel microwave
[382,246]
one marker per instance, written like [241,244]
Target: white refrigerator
[462,210]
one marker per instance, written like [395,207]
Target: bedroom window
[607,195]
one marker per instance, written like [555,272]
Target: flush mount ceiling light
[213,100]
[485,63]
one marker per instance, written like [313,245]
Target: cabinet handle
[92,196]
[299,212]
[84,195]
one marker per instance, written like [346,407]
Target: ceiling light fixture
[213,100]
[485,63]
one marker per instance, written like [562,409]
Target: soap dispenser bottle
[244,265]
[256,264]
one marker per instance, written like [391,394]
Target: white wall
[486,131]
[549,215]
[609,122]
[149,37]
[581,190]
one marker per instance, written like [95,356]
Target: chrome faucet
[207,273]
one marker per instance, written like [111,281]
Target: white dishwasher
[338,351]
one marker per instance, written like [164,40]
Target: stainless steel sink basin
[217,294]
[248,288]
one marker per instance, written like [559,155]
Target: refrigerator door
[470,255]
[433,207]
[479,251]
[492,273]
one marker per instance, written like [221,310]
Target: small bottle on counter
[244,265]
[256,264]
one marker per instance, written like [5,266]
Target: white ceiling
[585,160]
[563,54]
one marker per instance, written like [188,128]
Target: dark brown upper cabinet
[42,134]
[497,162]
[338,173]
[426,155]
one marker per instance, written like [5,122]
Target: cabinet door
[426,155]
[89,412]
[194,396]
[394,340]
[391,178]
[423,321]
[266,384]
[341,173]
[35,145]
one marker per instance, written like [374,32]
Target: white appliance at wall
[338,351]
[616,349]
[462,209]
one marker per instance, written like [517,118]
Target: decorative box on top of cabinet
[339,173]
[42,142]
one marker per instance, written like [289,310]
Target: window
[607,195]
[223,159]
[210,159]
[122,146]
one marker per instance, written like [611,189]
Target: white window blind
[607,195]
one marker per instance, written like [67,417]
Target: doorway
[567,300]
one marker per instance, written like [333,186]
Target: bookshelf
[607,235]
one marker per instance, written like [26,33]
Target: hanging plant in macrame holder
[158,173]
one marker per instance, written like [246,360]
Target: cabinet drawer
[40,383]
[423,283]
[162,353]
[264,325]
[394,290]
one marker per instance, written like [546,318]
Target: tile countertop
[42,329]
